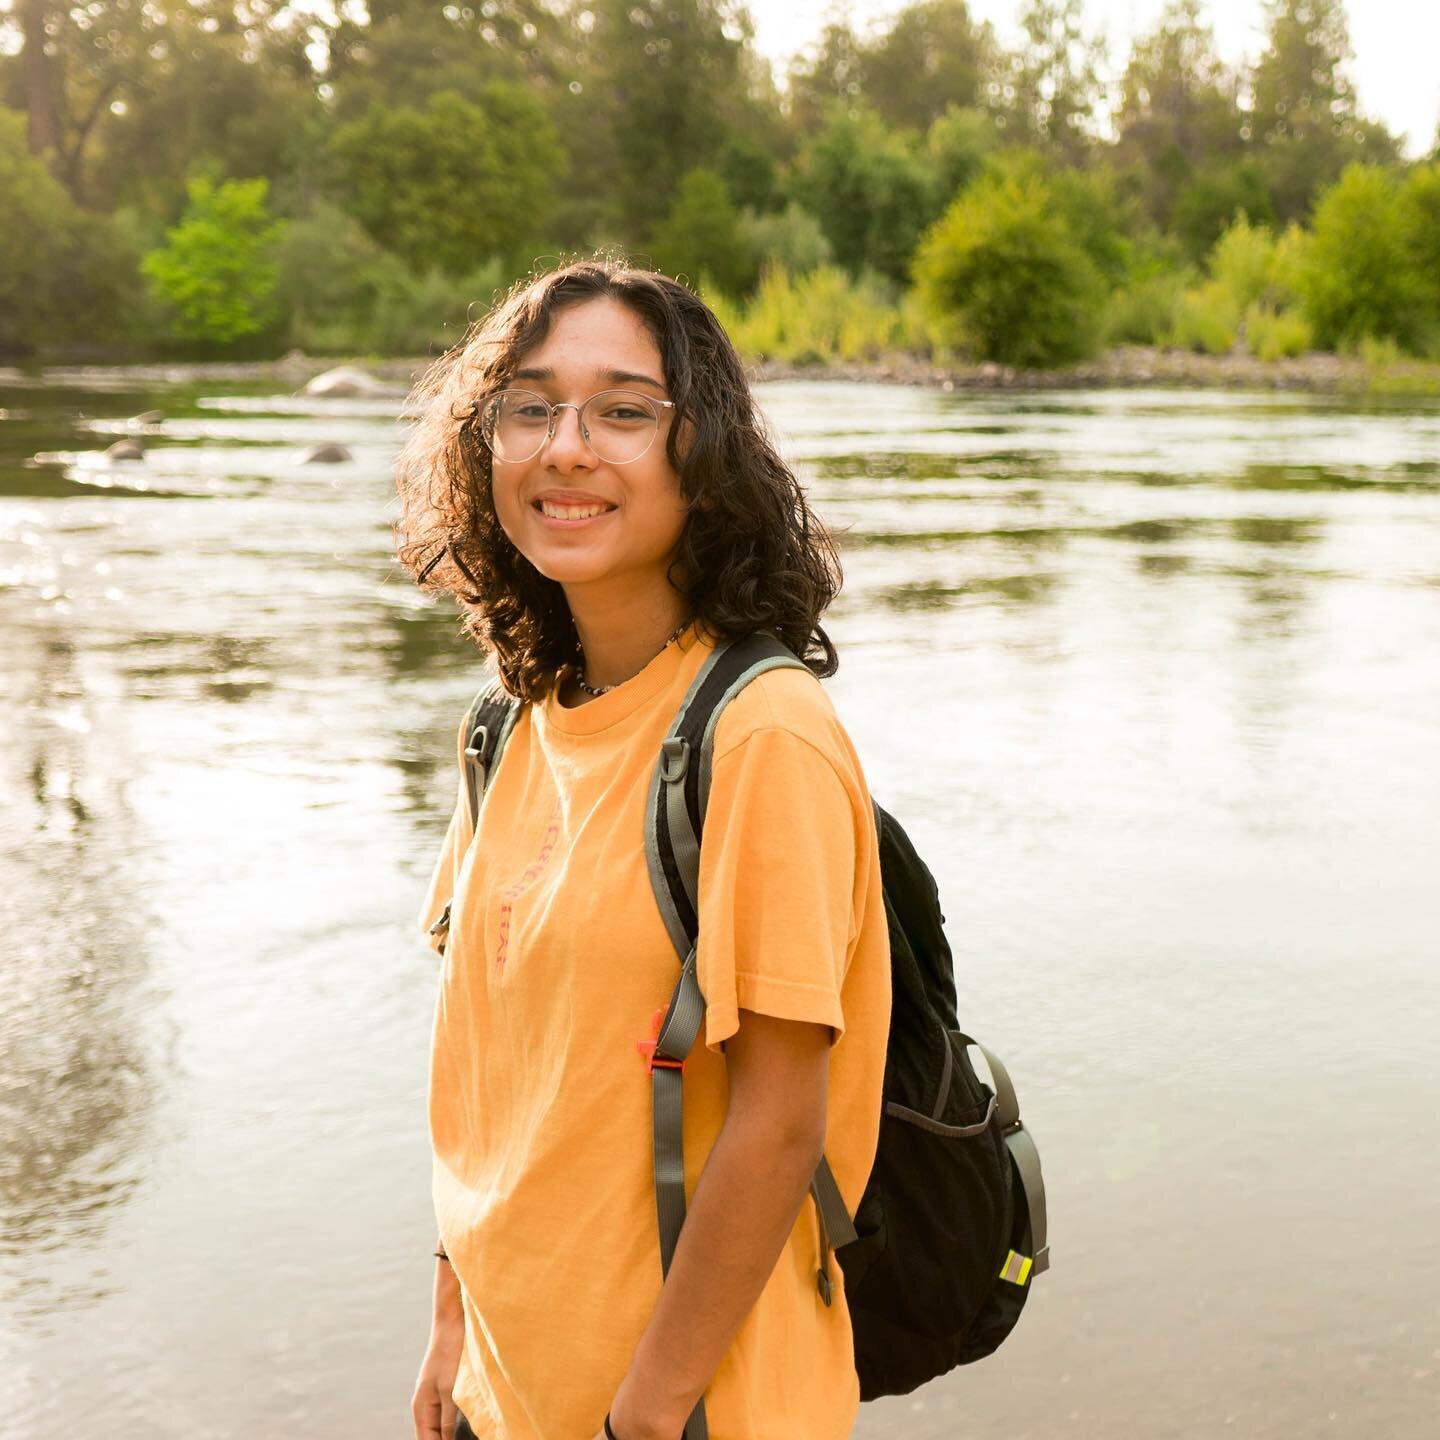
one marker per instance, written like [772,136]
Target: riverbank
[1125,367]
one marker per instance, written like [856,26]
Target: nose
[567,446]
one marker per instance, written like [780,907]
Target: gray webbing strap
[673,764]
[677,1035]
[674,761]
[1005,1100]
[491,708]
[707,747]
[831,1204]
[1023,1153]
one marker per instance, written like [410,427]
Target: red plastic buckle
[647,1047]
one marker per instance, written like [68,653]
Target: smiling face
[591,526]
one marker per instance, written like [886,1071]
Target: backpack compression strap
[674,819]
[1026,1159]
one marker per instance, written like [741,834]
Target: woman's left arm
[743,1210]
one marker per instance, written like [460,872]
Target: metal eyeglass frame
[579,420]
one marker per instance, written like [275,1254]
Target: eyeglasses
[618,425]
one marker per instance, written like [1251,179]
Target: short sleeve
[783,870]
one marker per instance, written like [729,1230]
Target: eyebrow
[615,377]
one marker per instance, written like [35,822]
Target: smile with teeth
[570,512]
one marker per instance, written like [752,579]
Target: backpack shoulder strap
[674,817]
[488,723]
[680,786]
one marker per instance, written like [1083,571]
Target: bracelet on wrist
[609,1433]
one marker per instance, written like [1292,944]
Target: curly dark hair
[752,555]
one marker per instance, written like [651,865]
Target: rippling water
[1153,678]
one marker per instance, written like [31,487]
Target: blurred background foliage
[196,177]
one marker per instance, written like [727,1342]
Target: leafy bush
[792,239]
[1143,311]
[1360,277]
[1243,261]
[1092,208]
[1420,215]
[1249,294]
[420,314]
[703,235]
[1274,334]
[822,316]
[330,276]
[1290,259]
[1004,269]
[1207,318]
[67,276]
[216,273]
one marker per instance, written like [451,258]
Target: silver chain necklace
[598,690]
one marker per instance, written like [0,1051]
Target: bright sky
[1396,43]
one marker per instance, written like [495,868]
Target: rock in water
[345,380]
[331,454]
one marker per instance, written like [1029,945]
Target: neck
[620,636]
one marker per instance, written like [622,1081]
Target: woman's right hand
[432,1407]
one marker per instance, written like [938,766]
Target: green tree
[871,191]
[125,97]
[667,80]
[1212,197]
[1178,111]
[74,64]
[217,272]
[1302,70]
[1003,267]
[957,146]
[1359,276]
[932,56]
[703,236]
[450,185]
[405,51]
[829,71]
[791,240]
[37,209]
[1304,116]
[66,274]
[1052,90]
[222,102]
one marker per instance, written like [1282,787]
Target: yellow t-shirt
[556,966]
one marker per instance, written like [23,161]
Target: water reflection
[1165,665]
[1027,589]
[78,1069]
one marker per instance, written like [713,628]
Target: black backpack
[951,1227]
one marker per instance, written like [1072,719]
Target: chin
[570,569]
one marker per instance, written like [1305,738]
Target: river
[1153,678]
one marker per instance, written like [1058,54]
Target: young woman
[588,476]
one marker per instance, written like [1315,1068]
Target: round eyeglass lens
[618,425]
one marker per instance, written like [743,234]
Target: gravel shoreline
[1126,367]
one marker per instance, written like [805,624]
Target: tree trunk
[43,129]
